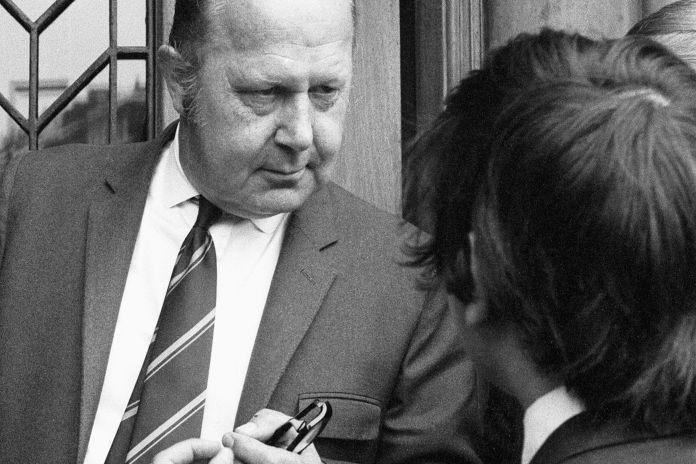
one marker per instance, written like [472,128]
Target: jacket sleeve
[435,407]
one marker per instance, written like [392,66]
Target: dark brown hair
[584,216]
[446,165]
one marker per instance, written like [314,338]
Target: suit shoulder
[667,450]
[71,167]
[357,218]
[588,438]
[66,158]
[372,239]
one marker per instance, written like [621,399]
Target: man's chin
[276,201]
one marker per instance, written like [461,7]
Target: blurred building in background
[85,121]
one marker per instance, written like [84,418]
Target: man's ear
[170,61]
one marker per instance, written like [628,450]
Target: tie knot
[208,213]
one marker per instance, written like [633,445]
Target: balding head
[200,25]
[250,22]
[196,23]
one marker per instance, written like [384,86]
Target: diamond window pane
[33,8]
[72,43]
[14,65]
[84,120]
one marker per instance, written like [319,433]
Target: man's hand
[247,442]
[188,451]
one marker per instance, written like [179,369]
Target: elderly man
[164,291]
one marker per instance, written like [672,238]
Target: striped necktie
[167,403]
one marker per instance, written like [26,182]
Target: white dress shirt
[544,416]
[246,251]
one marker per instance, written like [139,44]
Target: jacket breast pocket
[352,433]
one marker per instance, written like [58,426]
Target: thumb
[187,451]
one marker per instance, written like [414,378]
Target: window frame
[35,123]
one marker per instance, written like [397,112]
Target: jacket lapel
[113,224]
[301,280]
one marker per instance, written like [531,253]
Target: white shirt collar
[177,188]
[544,416]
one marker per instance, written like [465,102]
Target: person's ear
[475,312]
[170,61]
[473,267]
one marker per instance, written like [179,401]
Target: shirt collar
[268,225]
[178,189]
[544,416]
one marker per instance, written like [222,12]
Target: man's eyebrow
[253,78]
[335,72]
[337,83]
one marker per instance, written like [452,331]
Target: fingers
[263,424]
[248,447]
[187,451]
[224,456]
[251,451]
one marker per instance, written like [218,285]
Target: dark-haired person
[457,146]
[574,268]
[674,26]
[155,293]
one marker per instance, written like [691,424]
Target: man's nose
[295,123]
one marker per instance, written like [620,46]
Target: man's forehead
[248,24]
[287,64]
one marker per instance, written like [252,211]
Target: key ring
[308,424]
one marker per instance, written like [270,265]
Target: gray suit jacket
[342,322]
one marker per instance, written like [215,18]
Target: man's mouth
[285,174]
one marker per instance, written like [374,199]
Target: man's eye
[324,96]
[324,90]
[258,99]
[265,92]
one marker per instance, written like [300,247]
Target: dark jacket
[584,439]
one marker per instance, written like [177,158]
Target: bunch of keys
[308,424]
